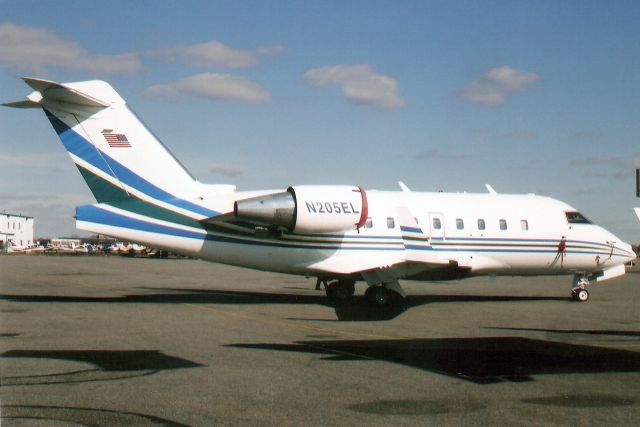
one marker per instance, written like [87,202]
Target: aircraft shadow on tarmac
[63,415]
[107,365]
[479,360]
[571,331]
[357,309]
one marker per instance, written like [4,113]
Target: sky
[528,96]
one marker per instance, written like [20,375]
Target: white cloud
[219,87]
[510,78]
[483,93]
[35,49]
[493,87]
[360,84]
[214,54]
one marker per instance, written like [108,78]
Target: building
[15,231]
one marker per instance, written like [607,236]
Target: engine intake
[307,209]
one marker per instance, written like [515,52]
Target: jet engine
[307,209]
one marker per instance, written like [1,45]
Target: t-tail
[132,175]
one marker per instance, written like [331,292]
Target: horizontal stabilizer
[62,93]
[27,103]
[68,93]
[637,212]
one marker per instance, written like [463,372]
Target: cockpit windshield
[576,218]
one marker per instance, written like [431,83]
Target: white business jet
[339,234]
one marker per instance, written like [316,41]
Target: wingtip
[37,84]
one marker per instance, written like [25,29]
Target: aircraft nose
[628,249]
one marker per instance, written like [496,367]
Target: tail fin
[119,158]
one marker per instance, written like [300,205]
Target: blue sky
[536,96]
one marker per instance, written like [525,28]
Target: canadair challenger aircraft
[341,234]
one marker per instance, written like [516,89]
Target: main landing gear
[340,291]
[383,298]
[579,291]
[380,301]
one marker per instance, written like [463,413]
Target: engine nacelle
[308,209]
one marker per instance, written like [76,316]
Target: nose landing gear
[579,291]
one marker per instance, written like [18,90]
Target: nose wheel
[580,295]
[579,291]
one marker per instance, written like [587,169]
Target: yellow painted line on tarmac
[296,325]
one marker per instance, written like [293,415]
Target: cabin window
[481,224]
[391,223]
[437,225]
[369,223]
[524,224]
[459,224]
[576,218]
[503,224]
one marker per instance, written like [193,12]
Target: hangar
[15,231]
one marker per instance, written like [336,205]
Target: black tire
[378,296]
[340,292]
[346,289]
[332,290]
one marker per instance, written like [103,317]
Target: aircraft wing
[351,263]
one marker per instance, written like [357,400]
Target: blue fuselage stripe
[94,214]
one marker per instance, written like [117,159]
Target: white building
[17,229]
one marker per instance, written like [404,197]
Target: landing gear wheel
[378,296]
[580,295]
[383,303]
[340,291]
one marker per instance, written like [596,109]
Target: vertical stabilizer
[119,158]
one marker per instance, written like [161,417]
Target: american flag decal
[116,140]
